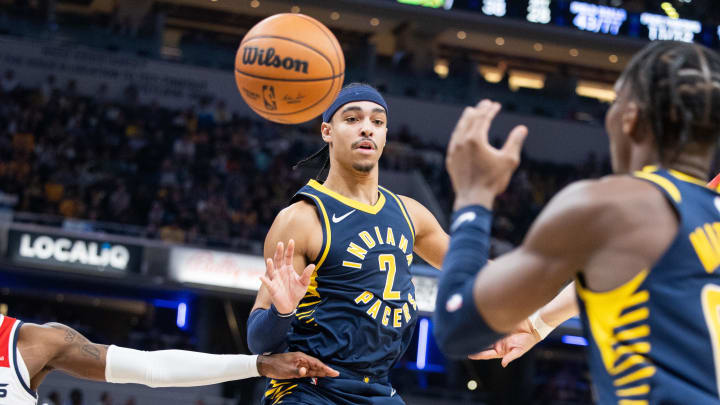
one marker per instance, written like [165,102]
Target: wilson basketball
[289,68]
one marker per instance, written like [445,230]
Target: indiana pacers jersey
[14,376]
[359,311]
[656,339]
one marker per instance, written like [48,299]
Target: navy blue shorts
[344,389]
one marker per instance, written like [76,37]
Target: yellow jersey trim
[621,337]
[402,209]
[678,175]
[687,178]
[661,181]
[370,209]
[312,288]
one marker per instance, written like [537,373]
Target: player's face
[619,123]
[356,135]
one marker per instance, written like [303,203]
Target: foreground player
[28,352]
[359,312]
[643,244]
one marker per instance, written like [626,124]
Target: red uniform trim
[5,331]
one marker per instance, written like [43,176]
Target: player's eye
[350,119]
[379,122]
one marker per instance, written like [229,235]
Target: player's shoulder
[617,199]
[297,216]
[45,334]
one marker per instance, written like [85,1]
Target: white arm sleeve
[176,368]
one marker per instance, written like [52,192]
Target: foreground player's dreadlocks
[677,86]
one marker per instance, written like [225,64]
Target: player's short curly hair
[677,86]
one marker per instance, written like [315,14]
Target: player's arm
[55,346]
[287,276]
[431,241]
[532,330]
[508,290]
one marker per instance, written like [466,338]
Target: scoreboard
[660,23]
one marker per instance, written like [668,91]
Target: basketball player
[28,352]
[643,244]
[355,241]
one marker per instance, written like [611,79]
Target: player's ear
[629,121]
[326,131]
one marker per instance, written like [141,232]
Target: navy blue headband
[354,93]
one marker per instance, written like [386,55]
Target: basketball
[289,68]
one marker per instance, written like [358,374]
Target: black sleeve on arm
[459,328]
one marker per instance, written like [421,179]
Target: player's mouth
[365,145]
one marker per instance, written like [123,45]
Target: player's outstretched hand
[285,285]
[293,365]
[479,172]
[512,346]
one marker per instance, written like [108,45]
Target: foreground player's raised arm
[58,347]
[431,241]
[562,241]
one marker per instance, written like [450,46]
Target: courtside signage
[215,268]
[72,253]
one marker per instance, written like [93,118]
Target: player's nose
[367,128]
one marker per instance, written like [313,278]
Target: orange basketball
[289,68]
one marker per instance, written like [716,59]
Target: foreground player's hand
[512,346]
[285,285]
[293,365]
[479,172]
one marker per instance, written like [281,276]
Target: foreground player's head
[355,127]
[667,108]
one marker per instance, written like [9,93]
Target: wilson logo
[267,57]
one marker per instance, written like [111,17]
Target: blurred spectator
[9,82]
[201,177]
[76,397]
[52,399]
[105,399]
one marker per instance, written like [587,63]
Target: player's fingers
[512,355]
[319,369]
[486,355]
[489,112]
[302,371]
[462,126]
[279,254]
[269,268]
[289,253]
[268,284]
[514,143]
[307,273]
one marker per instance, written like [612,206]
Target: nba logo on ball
[295,63]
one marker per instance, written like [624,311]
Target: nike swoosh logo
[466,217]
[338,219]
[392,392]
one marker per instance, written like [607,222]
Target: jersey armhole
[21,370]
[667,188]
[321,212]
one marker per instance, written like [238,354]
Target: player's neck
[695,160]
[353,184]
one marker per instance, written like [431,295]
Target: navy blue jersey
[656,338]
[359,311]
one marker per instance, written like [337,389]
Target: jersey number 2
[711,310]
[387,263]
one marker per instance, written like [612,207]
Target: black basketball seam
[337,56]
[289,80]
[332,69]
[332,85]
